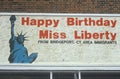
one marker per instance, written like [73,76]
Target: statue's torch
[12,19]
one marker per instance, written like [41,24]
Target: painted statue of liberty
[18,52]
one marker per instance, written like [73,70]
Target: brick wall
[64,6]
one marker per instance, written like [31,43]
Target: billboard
[60,39]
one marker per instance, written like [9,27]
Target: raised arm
[12,20]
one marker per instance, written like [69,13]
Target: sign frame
[59,67]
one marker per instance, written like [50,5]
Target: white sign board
[60,39]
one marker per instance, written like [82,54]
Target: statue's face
[20,39]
